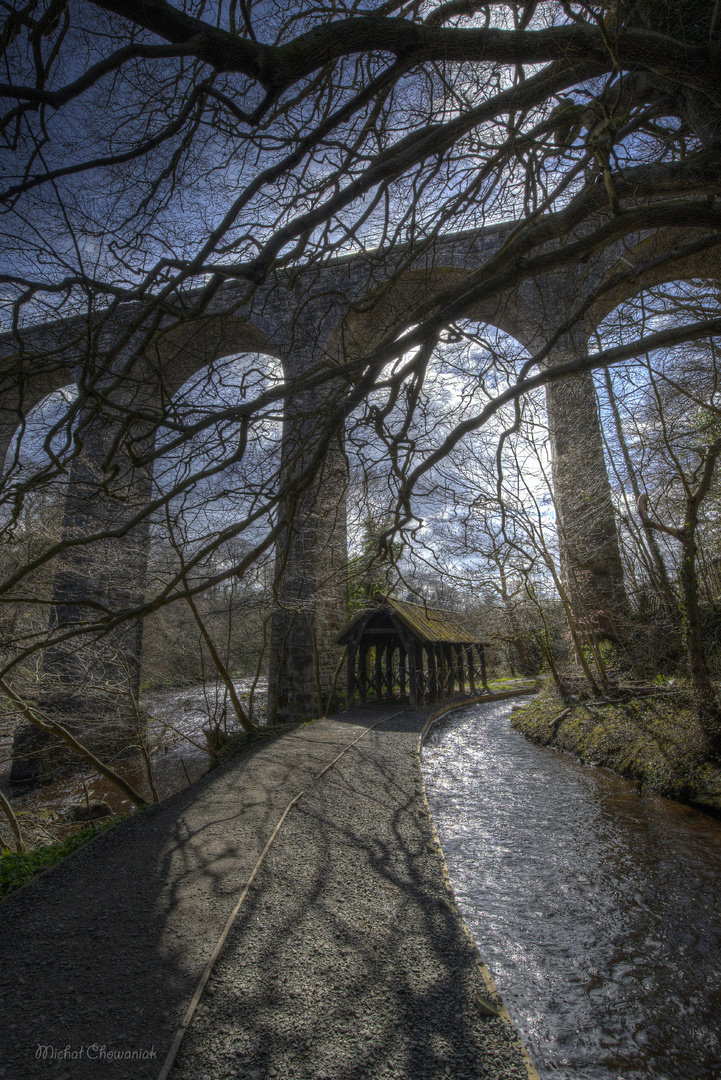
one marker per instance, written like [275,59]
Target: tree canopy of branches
[170,166]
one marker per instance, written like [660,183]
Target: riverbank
[347,959]
[652,740]
[583,897]
[177,747]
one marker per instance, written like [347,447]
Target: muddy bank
[652,740]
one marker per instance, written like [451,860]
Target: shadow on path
[347,959]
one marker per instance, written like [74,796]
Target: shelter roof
[427,624]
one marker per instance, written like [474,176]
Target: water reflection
[598,911]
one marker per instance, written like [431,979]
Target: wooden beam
[448,650]
[351,682]
[404,634]
[402,656]
[420,674]
[442,672]
[433,672]
[363,671]
[377,673]
[412,683]
[390,647]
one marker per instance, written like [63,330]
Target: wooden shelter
[410,651]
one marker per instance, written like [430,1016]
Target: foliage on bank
[653,740]
[17,869]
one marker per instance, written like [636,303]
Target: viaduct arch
[312,319]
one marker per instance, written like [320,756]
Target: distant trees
[669,446]
[490,528]
[234,614]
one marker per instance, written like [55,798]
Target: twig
[10,814]
[167,724]
[87,803]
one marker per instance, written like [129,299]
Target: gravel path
[348,959]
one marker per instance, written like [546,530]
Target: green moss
[16,869]
[654,741]
[510,682]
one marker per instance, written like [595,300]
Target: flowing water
[178,755]
[597,910]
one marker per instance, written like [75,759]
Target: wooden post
[377,673]
[402,670]
[461,673]
[448,656]
[389,669]
[481,649]
[420,675]
[412,683]
[423,665]
[441,671]
[471,671]
[433,673]
[350,686]
[363,671]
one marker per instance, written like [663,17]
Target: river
[597,910]
[177,748]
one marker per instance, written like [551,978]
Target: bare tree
[328,189]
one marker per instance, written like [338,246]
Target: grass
[510,681]
[17,869]
[654,741]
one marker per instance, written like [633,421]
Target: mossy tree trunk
[706,702]
[705,699]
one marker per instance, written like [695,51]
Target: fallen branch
[555,724]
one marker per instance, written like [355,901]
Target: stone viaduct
[312,319]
